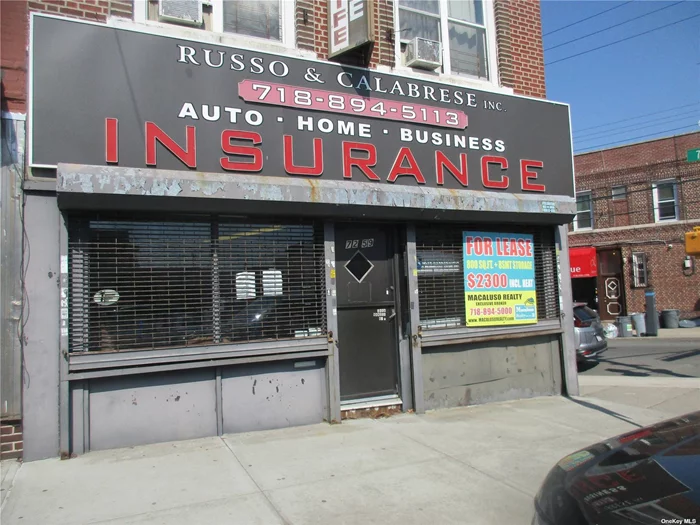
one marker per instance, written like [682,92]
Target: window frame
[220,271]
[640,270]
[619,197]
[489,26]
[441,301]
[590,211]
[656,203]
[287,23]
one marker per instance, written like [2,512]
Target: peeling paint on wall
[151,182]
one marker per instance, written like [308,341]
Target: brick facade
[519,42]
[305,20]
[313,34]
[14,28]
[11,445]
[97,10]
[629,223]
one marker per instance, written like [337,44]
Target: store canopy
[583,262]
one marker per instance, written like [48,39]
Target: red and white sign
[349,25]
[336,102]
[583,262]
[340,25]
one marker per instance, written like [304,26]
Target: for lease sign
[499,278]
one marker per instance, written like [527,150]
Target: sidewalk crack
[12,485]
[260,489]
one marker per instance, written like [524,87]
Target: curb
[640,382]
[651,340]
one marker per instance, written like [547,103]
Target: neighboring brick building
[635,204]
[491,50]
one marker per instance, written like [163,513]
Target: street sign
[694,155]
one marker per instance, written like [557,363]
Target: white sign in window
[272,282]
[245,285]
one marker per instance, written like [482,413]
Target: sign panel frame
[136,98]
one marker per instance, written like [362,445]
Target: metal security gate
[367,311]
[150,284]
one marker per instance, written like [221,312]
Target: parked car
[650,475]
[589,335]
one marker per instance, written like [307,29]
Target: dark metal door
[367,313]
[610,285]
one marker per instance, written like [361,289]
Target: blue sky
[641,82]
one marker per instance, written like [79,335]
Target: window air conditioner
[424,53]
[181,11]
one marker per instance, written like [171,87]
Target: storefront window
[140,284]
[441,281]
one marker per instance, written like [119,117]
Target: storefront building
[634,205]
[234,234]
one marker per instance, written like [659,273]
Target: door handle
[393,314]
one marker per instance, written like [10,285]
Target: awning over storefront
[117,188]
[583,262]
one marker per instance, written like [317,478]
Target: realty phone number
[482,312]
[327,101]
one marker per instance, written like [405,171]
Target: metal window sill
[212,354]
[450,336]
[370,402]
[150,369]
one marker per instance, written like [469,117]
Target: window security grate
[441,273]
[140,284]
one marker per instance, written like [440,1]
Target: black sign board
[103,95]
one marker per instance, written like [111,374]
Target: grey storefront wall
[78,398]
[116,399]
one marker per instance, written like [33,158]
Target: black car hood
[640,477]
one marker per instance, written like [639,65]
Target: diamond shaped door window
[359,266]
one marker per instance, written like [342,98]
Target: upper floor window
[584,211]
[265,19]
[260,18]
[619,193]
[665,197]
[458,24]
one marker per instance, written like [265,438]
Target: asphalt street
[647,357]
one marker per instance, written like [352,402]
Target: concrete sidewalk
[478,465]
[672,396]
